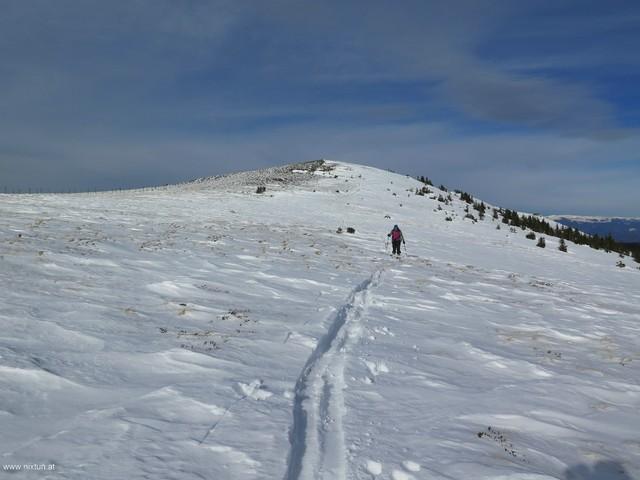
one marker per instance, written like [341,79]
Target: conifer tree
[563,245]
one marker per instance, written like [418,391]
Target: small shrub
[480,207]
[351,230]
[541,243]
[563,245]
[531,236]
[261,189]
[464,196]
[339,230]
[449,219]
[620,264]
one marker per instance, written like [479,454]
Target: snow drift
[204,330]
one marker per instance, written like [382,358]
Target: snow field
[205,331]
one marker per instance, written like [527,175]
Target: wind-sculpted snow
[207,331]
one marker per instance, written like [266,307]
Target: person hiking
[396,239]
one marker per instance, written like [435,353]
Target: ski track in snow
[317,436]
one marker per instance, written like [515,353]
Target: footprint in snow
[301,339]
[400,475]
[376,368]
[255,390]
[384,331]
[373,467]
[411,466]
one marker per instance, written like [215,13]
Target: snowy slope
[206,331]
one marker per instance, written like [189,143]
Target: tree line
[538,224]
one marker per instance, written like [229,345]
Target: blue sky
[531,104]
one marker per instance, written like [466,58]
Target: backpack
[396,235]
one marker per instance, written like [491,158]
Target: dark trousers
[396,246]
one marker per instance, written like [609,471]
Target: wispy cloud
[103,94]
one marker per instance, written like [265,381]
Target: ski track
[317,438]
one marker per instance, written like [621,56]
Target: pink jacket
[396,235]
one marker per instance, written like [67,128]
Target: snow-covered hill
[622,229]
[207,331]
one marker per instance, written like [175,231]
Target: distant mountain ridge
[622,229]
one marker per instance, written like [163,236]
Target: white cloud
[97,93]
